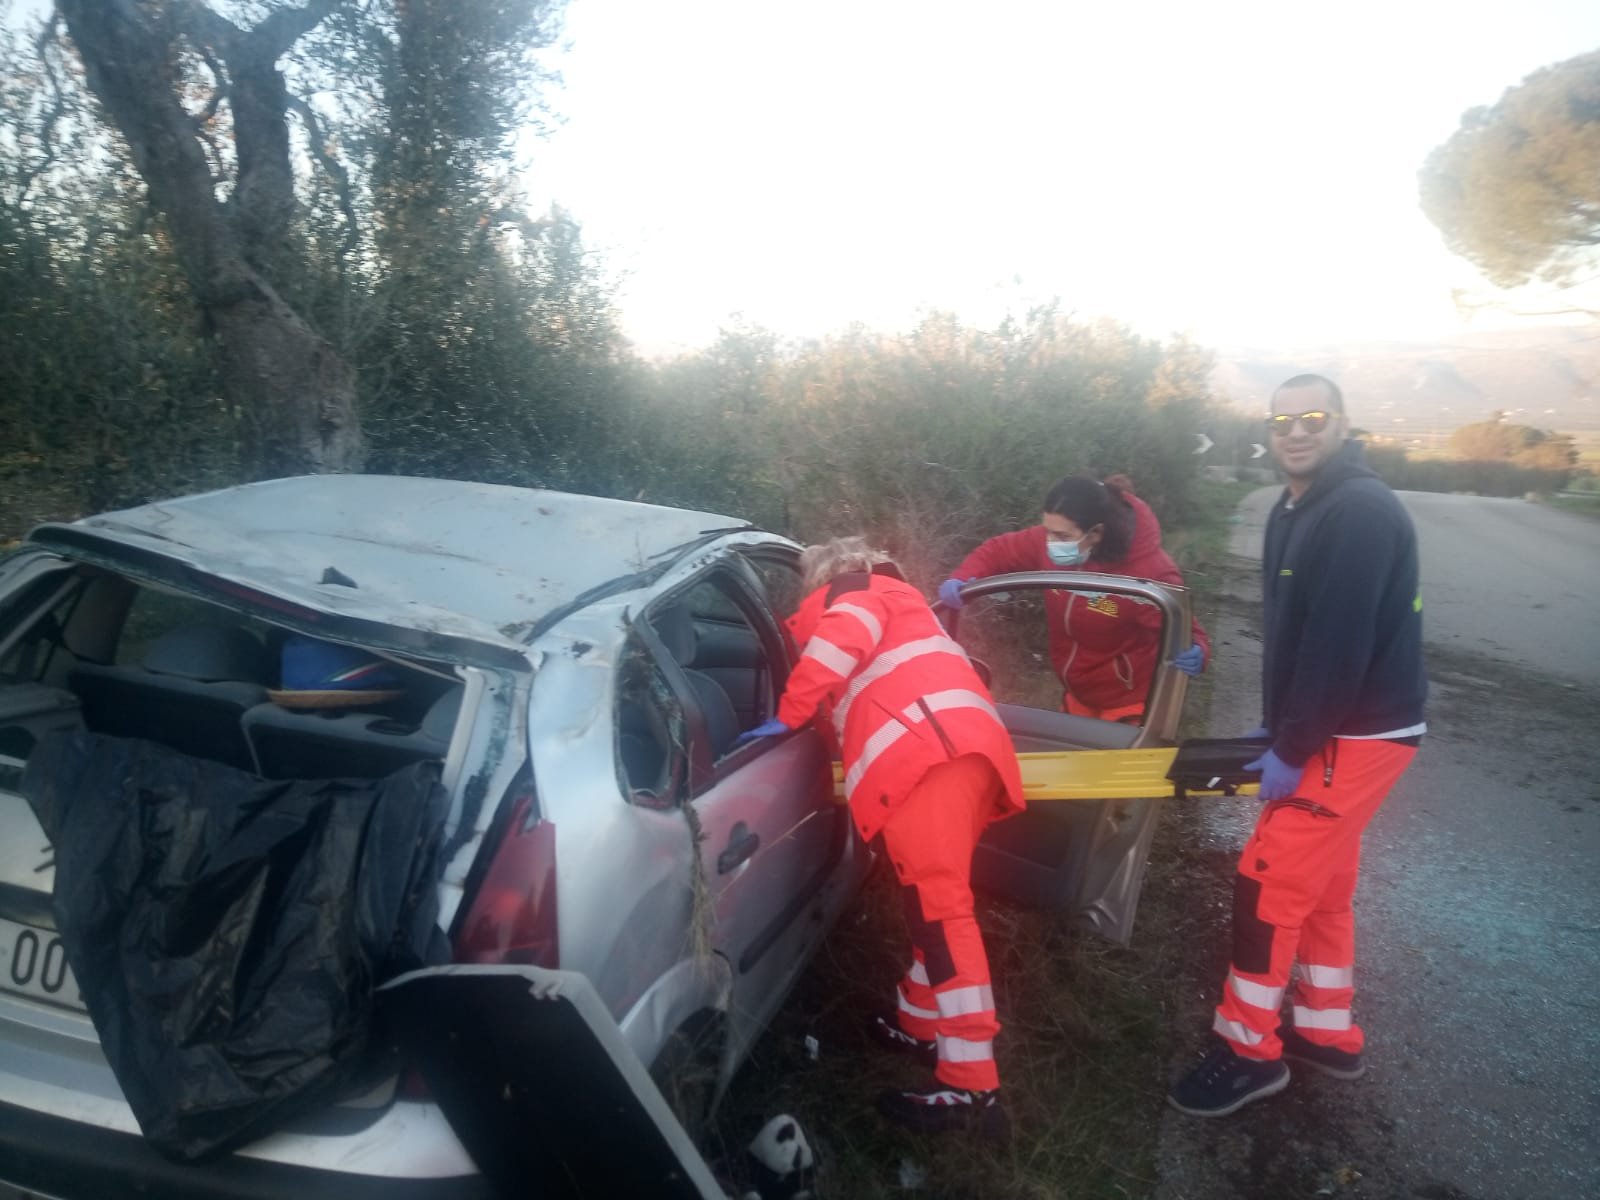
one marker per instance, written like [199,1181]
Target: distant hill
[1419,392]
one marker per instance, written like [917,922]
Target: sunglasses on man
[1314,421]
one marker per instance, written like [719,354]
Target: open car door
[1093,784]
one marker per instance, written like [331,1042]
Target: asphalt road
[1511,580]
[1478,967]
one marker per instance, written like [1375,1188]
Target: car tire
[687,1071]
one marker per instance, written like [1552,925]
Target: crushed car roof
[477,560]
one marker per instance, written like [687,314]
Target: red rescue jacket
[1104,650]
[901,695]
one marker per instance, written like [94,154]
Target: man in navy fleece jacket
[1342,692]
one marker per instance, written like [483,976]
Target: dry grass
[1083,1055]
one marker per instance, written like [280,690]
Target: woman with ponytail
[1104,648]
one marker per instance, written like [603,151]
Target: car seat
[188,692]
[674,625]
[734,657]
[339,743]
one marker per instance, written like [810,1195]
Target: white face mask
[1066,554]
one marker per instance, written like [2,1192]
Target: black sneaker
[1341,1064]
[1225,1082]
[939,1108]
[886,1031]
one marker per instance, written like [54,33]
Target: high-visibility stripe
[866,616]
[918,972]
[882,738]
[945,1099]
[1328,977]
[910,1009]
[948,699]
[894,728]
[889,661]
[1234,1031]
[1258,995]
[965,1001]
[840,662]
[964,1050]
[1332,1019]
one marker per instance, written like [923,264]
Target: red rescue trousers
[946,997]
[1292,901]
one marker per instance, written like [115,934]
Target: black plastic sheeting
[227,932]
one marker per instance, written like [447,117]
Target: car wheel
[686,1072]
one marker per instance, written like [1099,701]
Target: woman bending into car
[1104,648]
[928,765]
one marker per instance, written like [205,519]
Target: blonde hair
[825,560]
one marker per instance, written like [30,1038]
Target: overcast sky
[1242,171]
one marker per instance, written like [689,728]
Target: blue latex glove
[768,728]
[1278,778]
[1191,661]
[950,592]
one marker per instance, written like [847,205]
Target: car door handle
[741,845]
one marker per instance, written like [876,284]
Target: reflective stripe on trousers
[1292,900]
[946,996]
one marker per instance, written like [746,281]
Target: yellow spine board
[1094,775]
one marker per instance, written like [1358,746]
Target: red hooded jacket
[1103,649]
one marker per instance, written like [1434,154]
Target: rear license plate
[33,962]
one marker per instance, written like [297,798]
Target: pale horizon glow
[1243,172]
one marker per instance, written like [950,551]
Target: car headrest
[209,653]
[675,627]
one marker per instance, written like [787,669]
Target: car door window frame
[752,560]
[673,792]
[729,575]
[782,653]
[1164,702]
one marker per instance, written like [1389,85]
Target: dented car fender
[696,984]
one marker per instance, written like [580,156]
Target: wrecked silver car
[578,669]
[563,678]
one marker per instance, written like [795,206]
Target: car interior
[101,653]
[725,665]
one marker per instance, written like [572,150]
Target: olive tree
[202,108]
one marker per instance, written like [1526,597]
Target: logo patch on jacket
[1104,604]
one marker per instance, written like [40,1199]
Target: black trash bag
[226,931]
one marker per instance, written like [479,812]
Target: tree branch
[335,170]
[285,26]
[206,27]
[218,93]
[47,38]
[532,227]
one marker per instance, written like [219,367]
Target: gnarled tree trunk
[290,385]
